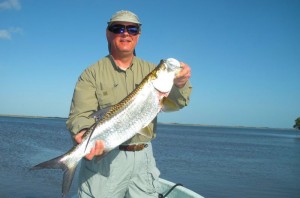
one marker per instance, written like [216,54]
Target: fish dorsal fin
[169,105]
[98,115]
[146,131]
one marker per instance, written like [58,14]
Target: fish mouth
[161,92]
[164,93]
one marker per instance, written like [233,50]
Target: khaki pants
[120,174]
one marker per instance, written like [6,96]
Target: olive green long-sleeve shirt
[104,84]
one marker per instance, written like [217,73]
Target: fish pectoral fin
[169,105]
[146,131]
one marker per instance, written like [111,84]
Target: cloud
[10,4]
[6,34]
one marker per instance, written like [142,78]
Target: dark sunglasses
[120,29]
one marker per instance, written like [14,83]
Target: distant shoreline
[163,123]
[27,116]
[223,126]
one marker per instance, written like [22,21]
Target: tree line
[297,123]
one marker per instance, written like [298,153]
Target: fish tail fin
[60,162]
[67,180]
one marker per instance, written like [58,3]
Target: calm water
[212,161]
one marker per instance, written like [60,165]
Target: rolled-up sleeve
[181,96]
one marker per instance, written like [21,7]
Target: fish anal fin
[89,133]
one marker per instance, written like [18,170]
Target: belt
[132,147]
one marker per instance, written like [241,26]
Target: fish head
[167,71]
[173,65]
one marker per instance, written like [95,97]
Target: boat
[172,190]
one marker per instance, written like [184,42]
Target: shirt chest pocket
[107,96]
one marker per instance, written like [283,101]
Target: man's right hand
[96,150]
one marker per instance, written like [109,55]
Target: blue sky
[244,55]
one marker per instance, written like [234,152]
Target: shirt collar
[117,67]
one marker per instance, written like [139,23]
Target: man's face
[123,42]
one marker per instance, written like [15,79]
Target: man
[127,171]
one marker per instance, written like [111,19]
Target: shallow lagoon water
[212,161]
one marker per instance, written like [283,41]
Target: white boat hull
[178,191]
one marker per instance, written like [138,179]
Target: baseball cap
[124,16]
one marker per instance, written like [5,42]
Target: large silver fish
[121,121]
